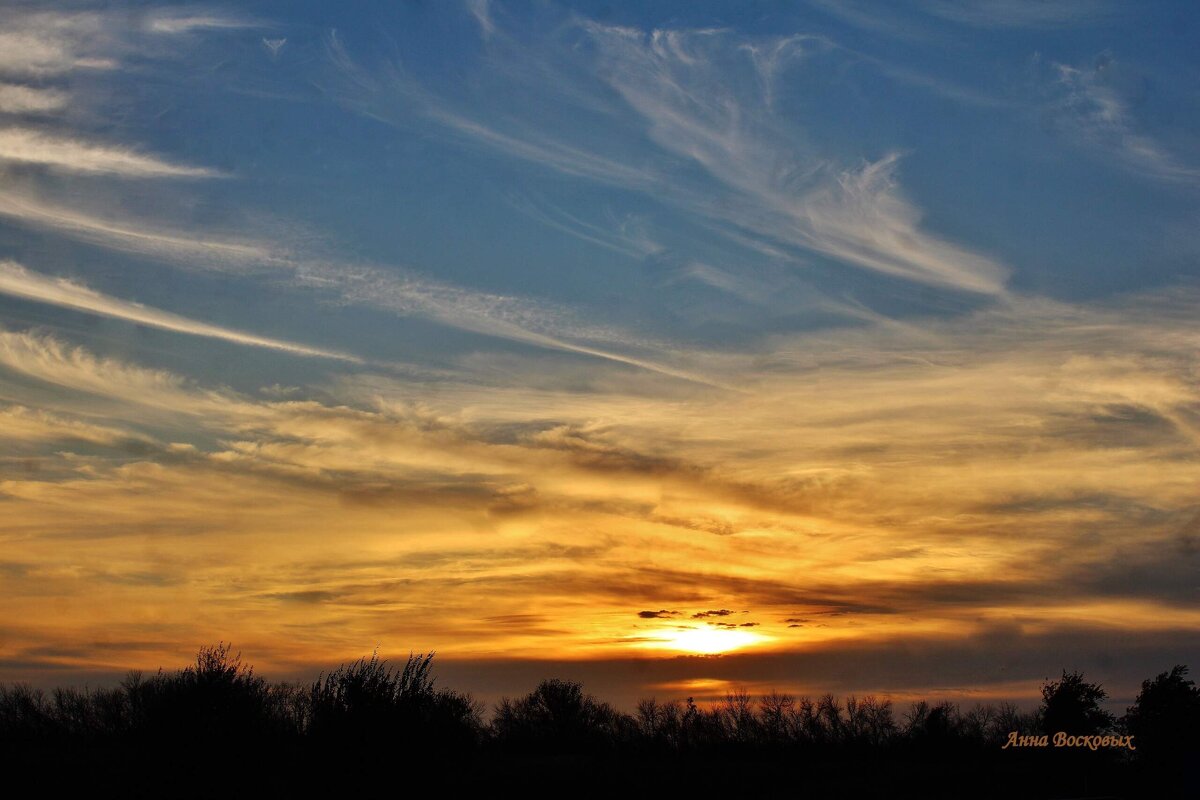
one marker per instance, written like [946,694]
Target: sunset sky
[675,347]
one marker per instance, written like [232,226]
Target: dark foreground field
[215,729]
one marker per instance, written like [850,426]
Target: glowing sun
[702,641]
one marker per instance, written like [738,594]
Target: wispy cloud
[401,291]
[18,281]
[615,237]
[482,12]
[864,219]
[886,20]
[926,20]
[1021,13]
[1068,420]
[937,84]
[24,424]
[184,21]
[18,99]
[1091,108]
[77,155]
[51,360]
[38,42]
[135,235]
[388,93]
[397,290]
[51,43]
[513,318]
[673,79]
[976,482]
[706,100]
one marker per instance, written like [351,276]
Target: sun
[702,640]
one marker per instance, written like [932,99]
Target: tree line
[373,709]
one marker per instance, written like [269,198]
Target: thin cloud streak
[173,23]
[130,235]
[17,281]
[493,315]
[391,289]
[926,21]
[481,11]
[1020,13]
[391,95]
[23,145]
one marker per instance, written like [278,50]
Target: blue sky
[706,173]
[753,270]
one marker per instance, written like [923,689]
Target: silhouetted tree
[1007,719]
[933,724]
[829,716]
[777,715]
[558,717]
[807,722]
[90,715]
[1071,704]
[662,726]
[24,714]
[737,718]
[216,699]
[369,704]
[869,721]
[169,728]
[1165,717]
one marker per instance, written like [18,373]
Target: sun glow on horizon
[703,640]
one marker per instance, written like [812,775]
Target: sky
[675,347]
